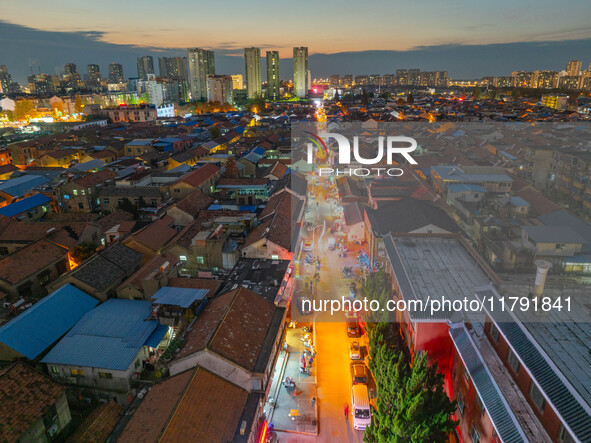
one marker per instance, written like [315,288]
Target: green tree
[410,99]
[78,105]
[82,251]
[23,109]
[231,168]
[215,132]
[377,287]
[411,404]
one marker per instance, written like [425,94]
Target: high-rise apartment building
[219,89]
[573,67]
[116,73]
[300,71]
[237,81]
[273,75]
[70,69]
[93,72]
[5,79]
[173,67]
[252,67]
[145,66]
[201,64]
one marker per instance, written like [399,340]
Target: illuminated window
[75,192]
[105,375]
[77,372]
[183,258]
[200,260]
[275,257]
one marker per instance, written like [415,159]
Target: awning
[156,337]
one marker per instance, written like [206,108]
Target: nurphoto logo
[387,146]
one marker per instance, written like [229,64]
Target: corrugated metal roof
[108,337]
[156,337]
[17,187]
[500,413]
[555,387]
[183,297]
[464,187]
[33,331]
[26,204]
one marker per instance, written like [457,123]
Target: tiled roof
[5,169]
[201,175]
[194,202]
[227,181]
[95,178]
[234,326]
[205,325]
[154,411]
[130,191]
[32,231]
[29,260]
[209,411]
[37,328]
[154,264]
[157,234]
[98,425]
[114,218]
[110,265]
[25,397]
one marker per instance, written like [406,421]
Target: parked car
[355,351]
[359,374]
[353,330]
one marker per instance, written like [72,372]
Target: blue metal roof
[108,337]
[464,187]
[183,297]
[89,165]
[17,187]
[36,329]
[518,201]
[24,205]
[154,340]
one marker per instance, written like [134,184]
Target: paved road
[332,343]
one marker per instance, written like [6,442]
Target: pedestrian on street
[346,411]
[313,401]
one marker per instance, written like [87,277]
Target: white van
[360,410]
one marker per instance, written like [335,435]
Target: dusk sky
[84,32]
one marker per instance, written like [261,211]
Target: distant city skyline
[467,40]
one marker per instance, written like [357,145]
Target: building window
[480,404]
[275,257]
[474,435]
[564,436]
[105,375]
[183,258]
[55,370]
[77,372]
[80,205]
[106,201]
[460,401]
[44,277]
[494,332]
[177,190]
[200,260]
[536,395]
[513,361]
[466,373]
[560,245]
[50,417]
[75,192]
